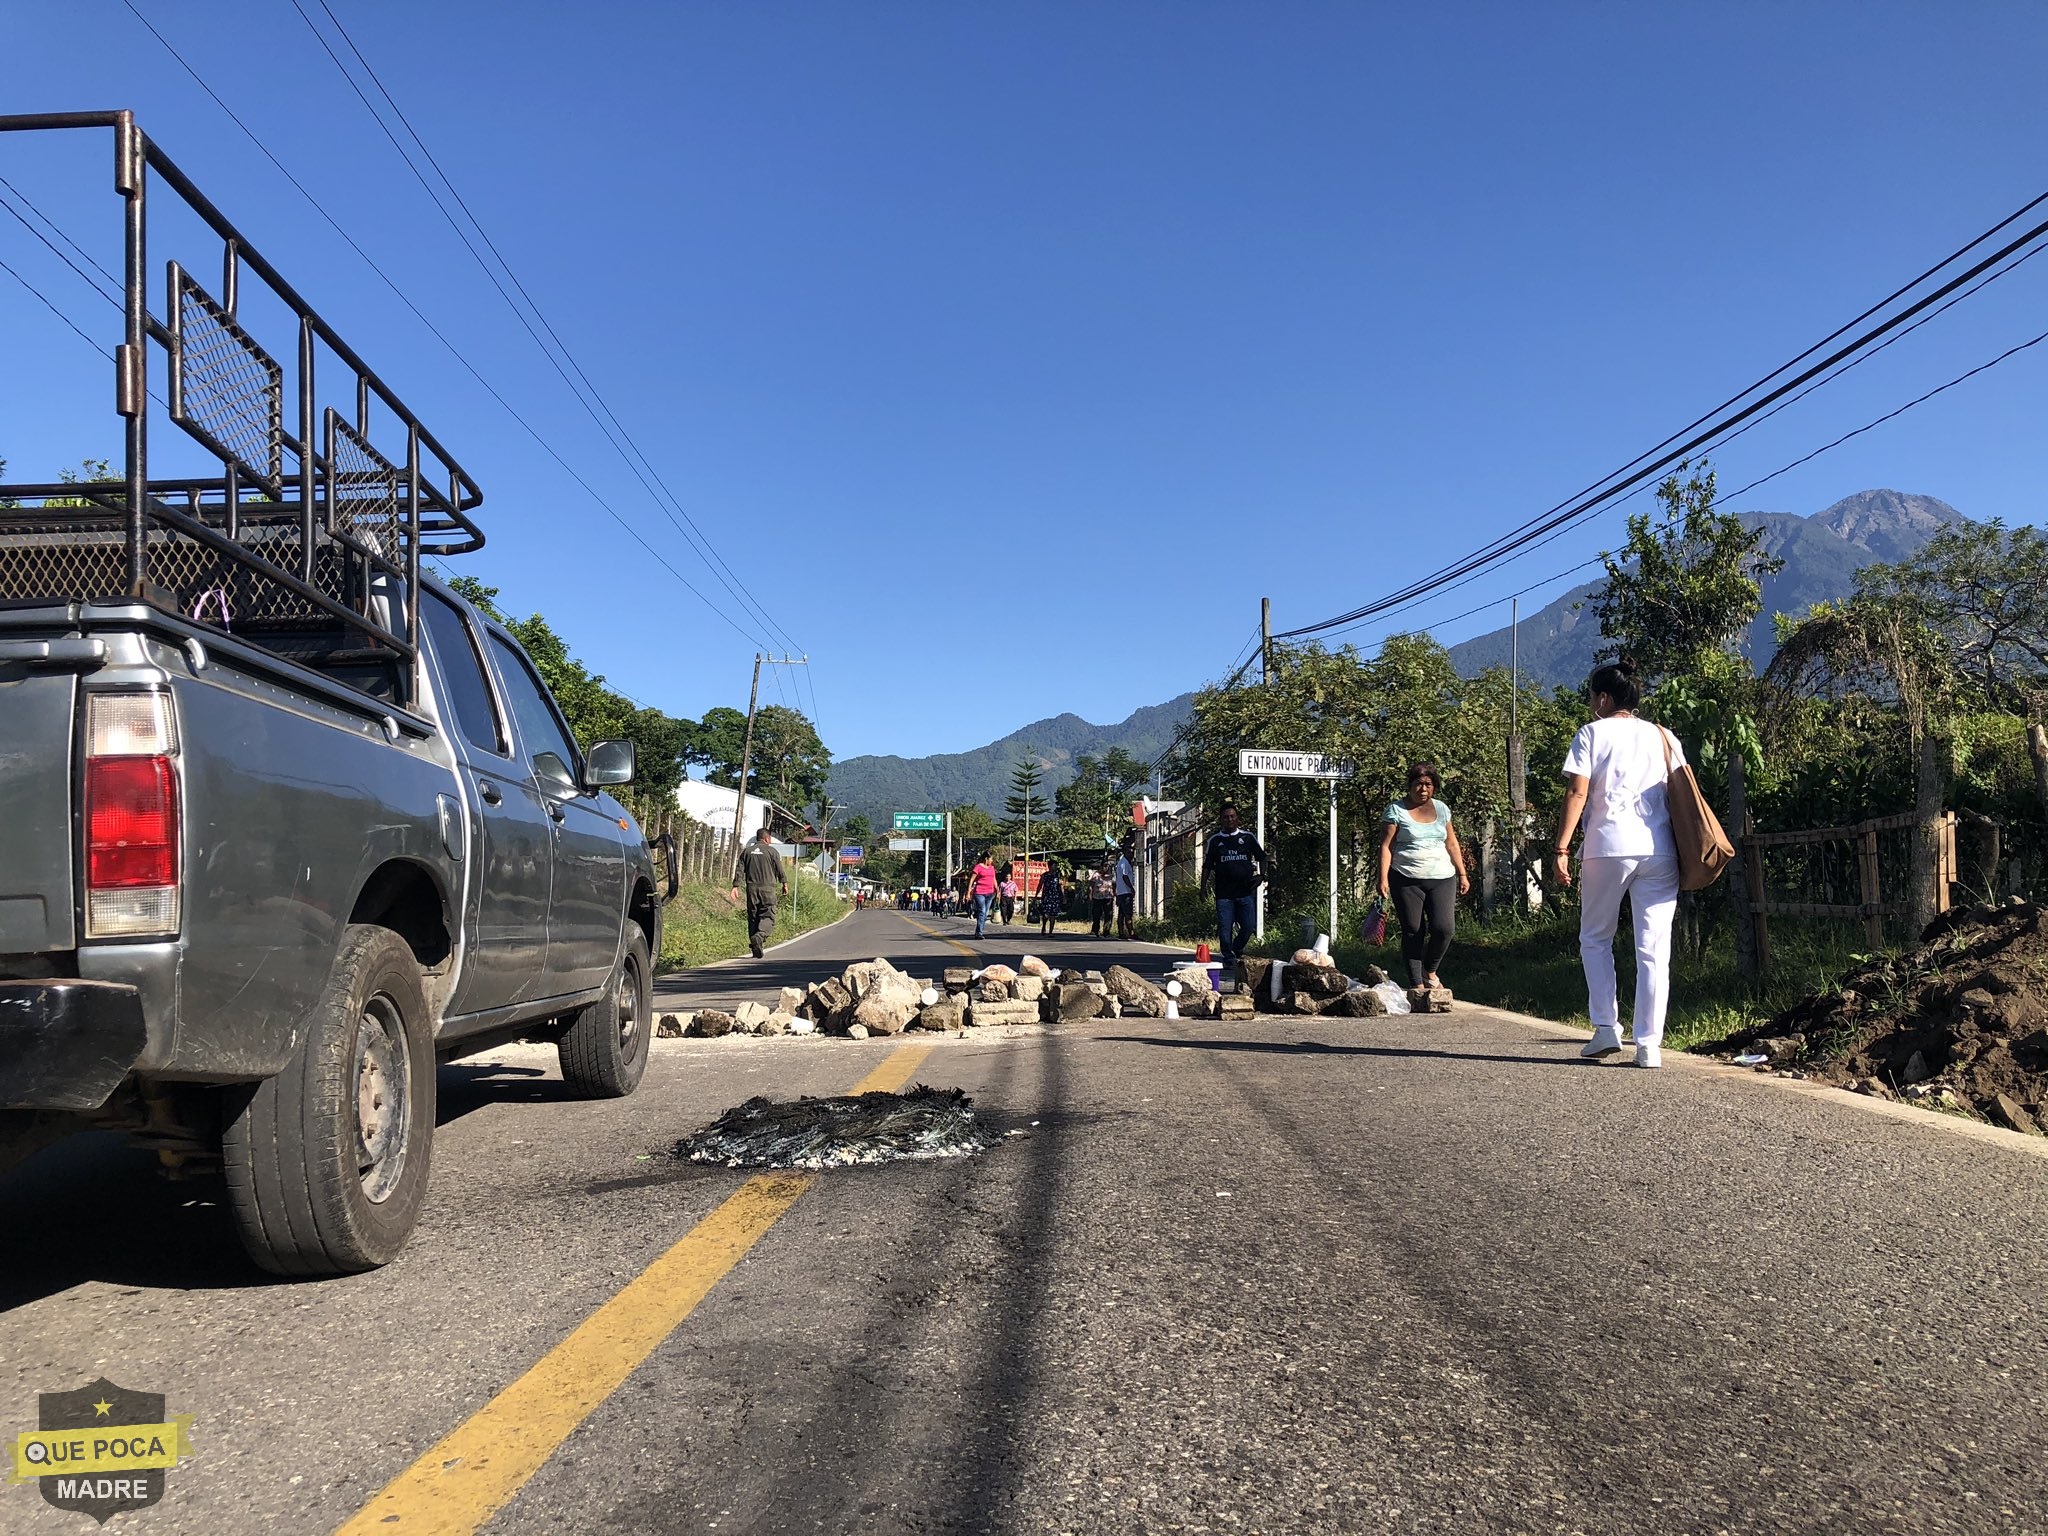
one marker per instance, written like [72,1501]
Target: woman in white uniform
[1615,775]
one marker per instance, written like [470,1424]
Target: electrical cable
[692,535]
[436,331]
[83,276]
[50,305]
[1784,469]
[1577,509]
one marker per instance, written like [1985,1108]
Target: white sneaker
[1605,1042]
[1649,1056]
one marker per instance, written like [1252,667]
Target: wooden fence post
[1747,963]
[1871,892]
[1930,870]
[1489,868]
[2037,748]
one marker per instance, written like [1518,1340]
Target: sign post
[1297,765]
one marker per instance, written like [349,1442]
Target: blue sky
[1011,353]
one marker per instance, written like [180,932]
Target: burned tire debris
[841,1132]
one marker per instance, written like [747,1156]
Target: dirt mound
[1958,1021]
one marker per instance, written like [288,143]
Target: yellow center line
[480,1465]
[972,954]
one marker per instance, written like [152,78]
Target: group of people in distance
[1110,892]
[1615,775]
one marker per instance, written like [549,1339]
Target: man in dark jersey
[761,869]
[1236,864]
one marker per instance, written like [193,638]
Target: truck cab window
[463,669]
[548,745]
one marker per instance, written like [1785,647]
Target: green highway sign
[920,821]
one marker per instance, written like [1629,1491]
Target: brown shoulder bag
[1703,848]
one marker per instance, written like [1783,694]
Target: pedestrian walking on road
[1009,890]
[1124,882]
[1422,874]
[1235,865]
[982,884]
[1101,904]
[1050,894]
[1615,778]
[761,871]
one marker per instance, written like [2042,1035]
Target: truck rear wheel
[604,1049]
[327,1162]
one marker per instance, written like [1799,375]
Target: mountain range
[1822,553]
[1557,645]
[877,786]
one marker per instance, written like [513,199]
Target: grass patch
[1531,965]
[703,924]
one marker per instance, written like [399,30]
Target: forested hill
[877,786]
[1822,554]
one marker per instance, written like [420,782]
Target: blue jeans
[1236,917]
[981,906]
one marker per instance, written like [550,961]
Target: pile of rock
[873,997]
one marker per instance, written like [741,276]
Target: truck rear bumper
[67,1044]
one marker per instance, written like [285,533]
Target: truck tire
[327,1162]
[604,1049]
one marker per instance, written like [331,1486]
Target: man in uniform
[761,870]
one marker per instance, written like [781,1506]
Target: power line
[436,331]
[53,309]
[1621,481]
[83,275]
[2009,352]
[616,430]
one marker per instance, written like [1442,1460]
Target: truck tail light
[132,824]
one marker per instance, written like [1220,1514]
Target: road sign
[906,845]
[851,854]
[1291,765]
[919,821]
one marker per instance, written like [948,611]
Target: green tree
[1025,804]
[1100,793]
[595,711]
[791,763]
[1684,587]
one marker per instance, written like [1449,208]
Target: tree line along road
[1414,1274]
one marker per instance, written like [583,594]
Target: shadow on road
[1319,1048]
[99,1210]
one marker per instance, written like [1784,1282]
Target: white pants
[1651,885]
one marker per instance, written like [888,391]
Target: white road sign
[906,845]
[1291,765]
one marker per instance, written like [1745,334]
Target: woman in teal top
[1422,873]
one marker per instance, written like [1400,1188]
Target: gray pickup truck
[284,820]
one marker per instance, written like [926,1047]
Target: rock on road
[1413,1274]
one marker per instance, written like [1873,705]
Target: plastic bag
[1390,993]
[1374,929]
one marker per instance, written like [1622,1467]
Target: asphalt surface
[1428,1274]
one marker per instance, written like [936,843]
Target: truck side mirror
[608,762]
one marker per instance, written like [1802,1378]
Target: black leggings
[1420,904]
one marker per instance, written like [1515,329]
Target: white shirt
[1123,879]
[1627,812]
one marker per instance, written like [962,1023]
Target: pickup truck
[284,821]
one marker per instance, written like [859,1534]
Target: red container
[1202,953]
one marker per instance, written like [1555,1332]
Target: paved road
[1424,1275]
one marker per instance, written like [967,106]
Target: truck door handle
[489,791]
[556,812]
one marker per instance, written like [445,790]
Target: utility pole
[1265,681]
[1518,774]
[739,809]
